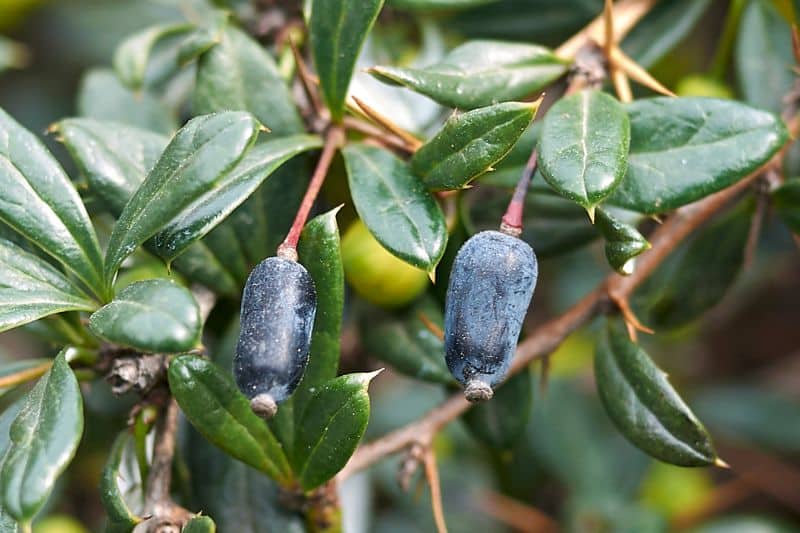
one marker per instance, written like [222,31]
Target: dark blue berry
[491,285]
[278,307]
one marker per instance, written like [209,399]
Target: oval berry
[491,285]
[278,307]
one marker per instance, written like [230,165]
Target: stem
[512,219]
[333,139]
[723,52]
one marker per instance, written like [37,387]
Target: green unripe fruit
[699,85]
[375,274]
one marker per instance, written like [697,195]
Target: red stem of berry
[512,220]
[333,140]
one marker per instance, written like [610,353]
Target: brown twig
[376,133]
[515,514]
[411,141]
[432,475]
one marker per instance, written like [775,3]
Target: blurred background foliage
[555,455]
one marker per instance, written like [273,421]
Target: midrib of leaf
[331,420]
[584,148]
[398,201]
[635,392]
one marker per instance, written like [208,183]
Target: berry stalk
[512,219]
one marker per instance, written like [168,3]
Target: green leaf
[480,73]
[583,147]
[320,252]
[338,29]
[623,242]
[238,74]
[683,149]
[199,155]
[499,423]
[786,200]
[214,405]
[114,157]
[395,205]
[200,524]
[470,143]
[41,203]
[330,428]
[763,56]
[644,406]
[154,315]
[697,276]
[44,437]
[198,43]
[102,96]
[131,56]
[210,206]
[30,288]
[120,484]
[431,5]
[403,340]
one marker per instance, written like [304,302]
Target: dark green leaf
[102,96]
[115,158]
[320,252]
[697,276]
[200,524]
[210,206]
[200,264]
[338,29]
[121,484]
[683,149]
[644,406]
[198,43]
[199,155]
[623,242]
[786,200]
[480,73]
[40,202]
[470,143]
[7,522]
[666,25]
[330,428]
[131,56]
[154,315]
[30,288]
[430,5]
[44,437]
[214,405]
[395,205]
[763,56]
[583,147]
[500,422]
[239,75]
[403,341]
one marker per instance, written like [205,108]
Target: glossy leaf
[201,153]
[763,57]
[330,428]
[200,524]
[103,97]
[154,315]
[337,30]
[500,422]
[121,483]
[199,263]
[320,252]
[623,241]
[786,200]
[210,206]
[114,157]
[41,203]
[469,144]
[696,277]
[395,205]
[480,73]
[238,74]
[44,437]
[683,149]
[30,288]
[403,341]
[644,406]
[131,56]
[213,404]
[583,147]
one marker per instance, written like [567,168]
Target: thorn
[432,275]
[621,61]
[631,322]
[430,325]
[388,125]
[720,463]
[590,211]
[432,475]
[608,27]
[622,85]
